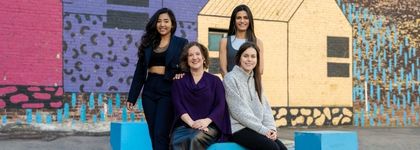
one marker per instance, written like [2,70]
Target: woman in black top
[159,54]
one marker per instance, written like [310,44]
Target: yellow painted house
[307,52]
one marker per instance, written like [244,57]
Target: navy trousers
[158,109]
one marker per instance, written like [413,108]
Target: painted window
[338,47]
[215,35]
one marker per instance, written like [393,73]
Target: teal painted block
[227,145]
[326,140]
[130,135]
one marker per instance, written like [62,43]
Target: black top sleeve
[138,80]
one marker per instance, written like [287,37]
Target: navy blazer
[171,66]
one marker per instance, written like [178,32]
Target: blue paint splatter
[59,115]
[100,100]
[117,100]
[48,119]
[109,106]
[28,116]
[4,119]
[91,101]
[38,117]
[94,118]
[66,111]
[132,117]
[102,115]
[73,100]
[83,113]
[124,114]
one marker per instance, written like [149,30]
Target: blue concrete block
[326,140]
[227,145]
[130,135]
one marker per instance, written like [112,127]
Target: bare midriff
[157,70]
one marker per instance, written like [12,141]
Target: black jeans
[252,140]
[158,109]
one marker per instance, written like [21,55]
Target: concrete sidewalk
[22,138]
[371,138]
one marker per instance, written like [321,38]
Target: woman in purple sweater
[201,113]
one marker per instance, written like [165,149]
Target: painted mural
[30,55]
[100,40]
[73,60]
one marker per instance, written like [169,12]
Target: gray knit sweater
[245,108]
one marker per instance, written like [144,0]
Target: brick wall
[30,54]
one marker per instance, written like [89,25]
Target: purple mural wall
[100,39]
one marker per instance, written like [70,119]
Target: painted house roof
[274,10]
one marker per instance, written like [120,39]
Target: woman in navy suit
[159,54]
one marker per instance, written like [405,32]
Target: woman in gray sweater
[252,121]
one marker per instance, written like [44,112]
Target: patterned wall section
[312,116]
[386,89]
[101,38]
[30,54]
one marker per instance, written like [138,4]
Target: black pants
[250,139]
[158,109]
[186,138]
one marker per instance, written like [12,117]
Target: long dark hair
[250,35]
[256,70]
[184,56]
[151,37]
